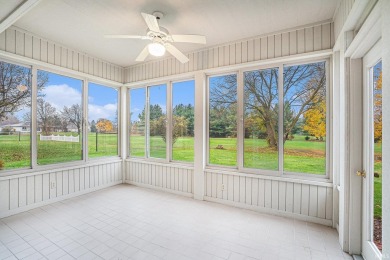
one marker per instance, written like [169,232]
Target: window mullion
[33,111]
[240,120]
[147,132]
[84,105]
[169,123]
[280,119]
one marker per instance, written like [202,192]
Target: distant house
[19,127]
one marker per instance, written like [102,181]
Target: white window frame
[240,116]
[170,121]
[169,111]
[208,164]
[118,115]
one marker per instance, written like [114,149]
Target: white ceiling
[82,24]
[7,7]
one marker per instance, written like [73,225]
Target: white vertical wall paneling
[4,195]
[14,192]
[242,189]
[45,186]
[22,192]
[17,41]
[59,184]
[297,198]
[289,197]
[304,40]
[305,199]
[38,188]
[268,193]
[282,195]
[168,177]
[30,190]
[313,201]
[65,182]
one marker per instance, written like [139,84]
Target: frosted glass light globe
[156,49]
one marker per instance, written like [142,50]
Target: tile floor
[128,222]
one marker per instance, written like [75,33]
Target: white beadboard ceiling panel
[81,25]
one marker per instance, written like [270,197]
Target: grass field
[300,156]
[15,152]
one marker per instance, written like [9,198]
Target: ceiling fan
[161,39]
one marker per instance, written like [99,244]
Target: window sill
[42,169]
[288,177]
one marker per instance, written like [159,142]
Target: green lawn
[16,154]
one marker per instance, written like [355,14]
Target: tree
[74,116]
[15,88]
[158,127]
[93,126]
[10,120]
[104,125]
[45,115]
[315,121]
[186,111]
[303,87]
[378,109]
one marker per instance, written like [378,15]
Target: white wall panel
[24,191]
[341,15]
[305,40]
[304,199]
[25,44]
[168,177]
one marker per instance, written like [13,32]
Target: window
[59,117]
[304,122]
[137,122]
[261,119]
[15,114]
[183,99]
[157,116]
[223,120]
[102,121]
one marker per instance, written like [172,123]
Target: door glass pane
[137,122]
[157,121]
[261,119]
[223,120]
[102,121]
[59,119]
[183,99]
[304,121]
[377,106]
[15,115]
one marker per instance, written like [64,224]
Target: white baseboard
[326,222]
[56,199]
[186,194]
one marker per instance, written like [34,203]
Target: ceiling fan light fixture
[156,49]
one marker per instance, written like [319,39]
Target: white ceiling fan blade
[151,21]
[144,53]
[125,36]
[176,53]
[189,38]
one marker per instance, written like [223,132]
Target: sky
[63,91]
[182,93]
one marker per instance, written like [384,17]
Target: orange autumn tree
[378,109]
[315,120]
[104,125]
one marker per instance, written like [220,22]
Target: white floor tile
[128,222]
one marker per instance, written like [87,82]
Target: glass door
[372,183]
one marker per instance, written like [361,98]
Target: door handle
[361,173]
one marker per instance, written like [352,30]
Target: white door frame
[369,250]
